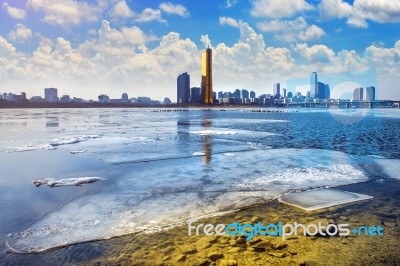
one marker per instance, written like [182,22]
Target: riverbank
[175,247]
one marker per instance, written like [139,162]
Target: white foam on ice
[160,195]
[321,198]
[74,181]
[198,153]
[76,151]
[332,175]
[47,147]
[213,132]
[72,139]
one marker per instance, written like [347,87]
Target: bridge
[347,104]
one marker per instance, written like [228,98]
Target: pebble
[180,258]
[215,256]
[228,263]
[277,254]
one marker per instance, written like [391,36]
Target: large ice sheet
[154,195]
[321,198]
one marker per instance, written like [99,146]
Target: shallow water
[162,168]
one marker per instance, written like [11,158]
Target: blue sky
[85,48]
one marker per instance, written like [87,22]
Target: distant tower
[314,85]
[50,95]
[183,88]
[358,94]
[124,97]
[206,77]
[370,94]
[277,90]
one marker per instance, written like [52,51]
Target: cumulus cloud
[230,3]
[360,11]
[315,53]
[20,33]
[205,40]
[121,9]
[228,21]
[170,8]
[6,47]
[279,9]
[14,12]
[292,30]
[65,13]
[149,15]
[119,59]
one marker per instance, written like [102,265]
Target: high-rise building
[167,101]
[183,88]
[124,97]
[50,95]
[252,95]
[320,92]
[290,94]
[284,92]
[313,84]
[370,94]
[103,98]
[195,94]
[358,94]
[277,90]
[206,77]
[220,94]
[236,94]
[327,92]
[245,94]
[65,99]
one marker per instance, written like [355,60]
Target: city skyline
[87,47]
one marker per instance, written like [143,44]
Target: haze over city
[85,48]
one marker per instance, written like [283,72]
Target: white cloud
[170,8]
[14,12]
[149,14]
[205,40]
[6,47]
[361,11]
[228,21]
[334,8]
[120,60]
[65,13]
[230,3]
[121,9]
[292,30]
[279,9]
[20,33]
[315,53]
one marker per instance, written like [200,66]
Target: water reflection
[206,146]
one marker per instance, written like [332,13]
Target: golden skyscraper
[206,77]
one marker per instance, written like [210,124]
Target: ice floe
[161,195]
[321,198]
[74,181]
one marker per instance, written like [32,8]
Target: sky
[87,48]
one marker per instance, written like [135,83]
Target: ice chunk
[213,132]
[169,193]
[72,139]
[390,167]
[75,181]
[321,198]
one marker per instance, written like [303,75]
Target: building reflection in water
[206,146]
[206,139]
